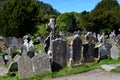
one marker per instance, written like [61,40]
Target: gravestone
[88,52]
[47,42]
[3,71]
[25,68]
[59,54]
[118,41]
[103,52]
[11,42]
[31,54]
[20,42]
[31,46]
[24,49]
[114,52]
[77,46]
[7,59]
[10,51]
[41,63]
[26,44]
[16,58]
[13,67]
[1,60]
[112,37]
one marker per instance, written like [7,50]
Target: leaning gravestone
[88,52]
[41,63]
[59,54]
[114,52]
[77,46]
[25,69]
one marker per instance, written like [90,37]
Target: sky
[73,5]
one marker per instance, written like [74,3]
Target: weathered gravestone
[13,67]
[1,60]
[16,58]
[77,46]
[20,42]
[118,41]
[3,71]
[88,52]
[114,52]
[25,68]
[41,63]
[104,51]
[59,54]
[25,47]
[31,46]
[112,37]
[11,42]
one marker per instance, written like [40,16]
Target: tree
[66,21]
[18,17]
[102,15]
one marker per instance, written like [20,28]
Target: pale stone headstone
[41,63]
[25,68]
[16,58]
[112,37]
[26,44]
[1,60]
[118,41]
[31,46]
[59,53]
[114,52]
[77,46]
[3,71]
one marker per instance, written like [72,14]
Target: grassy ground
[68,70]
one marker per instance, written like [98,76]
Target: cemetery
[56,49]
[59,52]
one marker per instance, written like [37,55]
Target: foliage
[39,47]
[41,30]
[18,17]
[66,22]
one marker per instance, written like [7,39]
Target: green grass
[117,70]
[68,70]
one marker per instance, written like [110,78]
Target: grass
[68,70]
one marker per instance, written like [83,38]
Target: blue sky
[73,5]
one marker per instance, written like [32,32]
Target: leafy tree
[66,21]
[18,17]
[102,16]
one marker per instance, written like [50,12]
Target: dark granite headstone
[77,46]
[59,54]
[88,52]
[47,42]
[41,63]
[31,54]
[13,67]
[25,68]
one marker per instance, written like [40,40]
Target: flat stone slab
[109,67]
